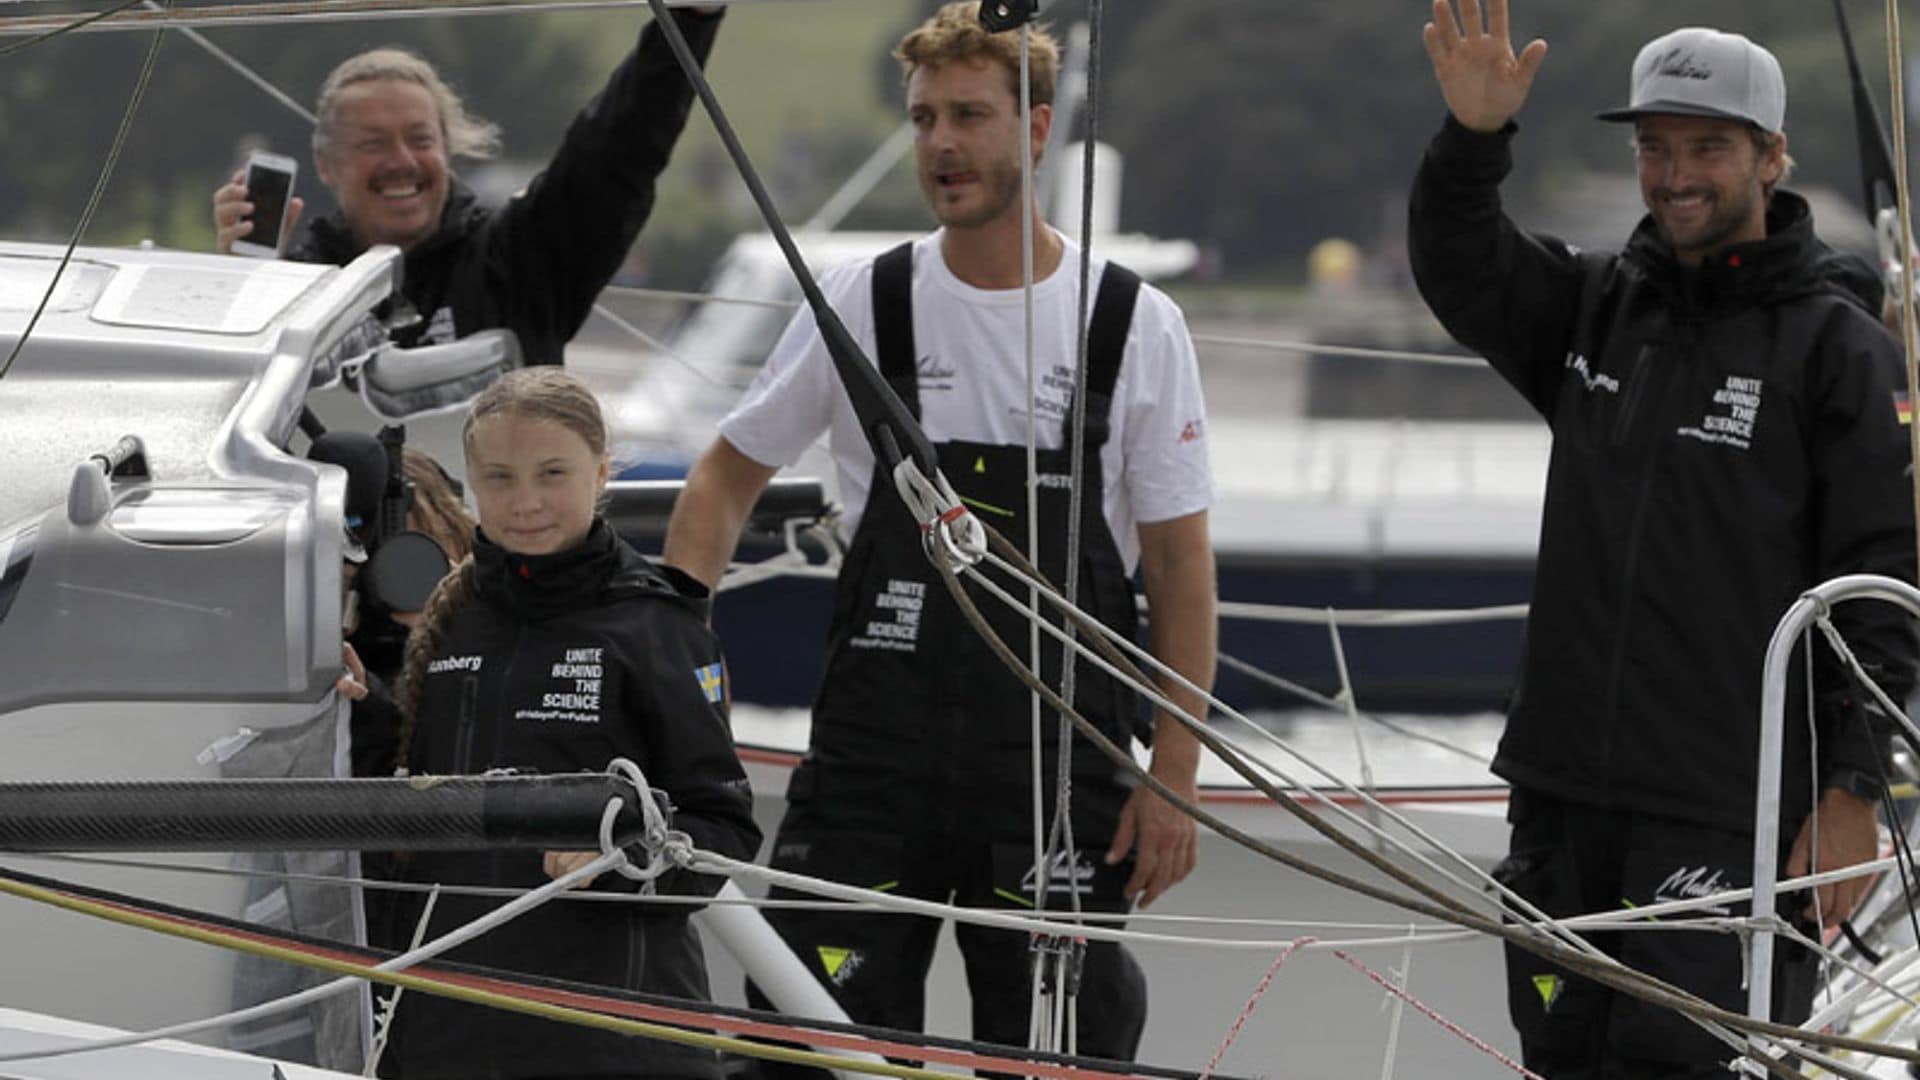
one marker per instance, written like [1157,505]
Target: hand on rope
[666,848]
[558,864]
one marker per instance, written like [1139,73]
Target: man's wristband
[1860,785]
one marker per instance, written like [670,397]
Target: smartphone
[269,186]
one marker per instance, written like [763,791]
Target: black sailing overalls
[919,777]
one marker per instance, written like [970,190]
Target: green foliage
[61,102]
[1257,127]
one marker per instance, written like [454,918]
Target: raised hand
[230,210]
[1483,82]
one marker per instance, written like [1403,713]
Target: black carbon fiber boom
[416,814]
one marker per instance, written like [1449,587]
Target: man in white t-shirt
[919,779]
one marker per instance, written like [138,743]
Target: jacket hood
[601,568]
[1789,261]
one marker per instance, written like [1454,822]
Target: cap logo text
[1680,64]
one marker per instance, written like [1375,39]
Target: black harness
[909,691]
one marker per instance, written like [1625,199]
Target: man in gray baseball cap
[1696,94]
[1725,436]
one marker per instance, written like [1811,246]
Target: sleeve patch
[712,681]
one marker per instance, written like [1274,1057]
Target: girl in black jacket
[556,648]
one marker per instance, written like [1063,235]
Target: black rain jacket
[1723,438]
[562,663]
[536,265]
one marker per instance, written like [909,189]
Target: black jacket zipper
[469,712]
[1644,371]
[1636,389]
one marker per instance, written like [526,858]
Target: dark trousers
[1568,859]
[875,965]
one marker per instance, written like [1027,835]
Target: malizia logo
[1693,883]
[931,369]
[1594,380]
[1681,64]
[1069,871]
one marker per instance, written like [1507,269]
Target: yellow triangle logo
[980,465]
[832,958]
[1548,987]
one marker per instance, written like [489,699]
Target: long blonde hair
[437,510]
[466,135]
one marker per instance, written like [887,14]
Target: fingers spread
[1471,21]
[1443,29]
[1531,58]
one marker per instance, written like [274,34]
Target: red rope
[1253,1002]
[1274,969]
[1471,1039]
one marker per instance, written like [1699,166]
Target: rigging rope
[1720,1022]
[52,26]
[669,1022]
[1039,1031]
[239,67]
[285,12]
[1639,919]
[948,569]
[1253,1002]
[1309,694]
[1428,1012]
[100,183]
[1061,836]
[123,914]
[1896,67]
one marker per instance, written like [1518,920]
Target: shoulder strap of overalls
[893,324]
[1107,331]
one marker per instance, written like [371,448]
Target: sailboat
[169,582]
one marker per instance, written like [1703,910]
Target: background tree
[1253,126]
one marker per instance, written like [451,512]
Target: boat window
[197,516]
[201,298]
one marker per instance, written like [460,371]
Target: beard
[1729,215]
[995,193]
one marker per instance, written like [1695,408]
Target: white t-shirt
[973,386]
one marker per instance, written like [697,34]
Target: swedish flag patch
[711,682]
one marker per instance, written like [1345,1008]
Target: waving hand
[1483,82]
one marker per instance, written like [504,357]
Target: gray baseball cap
[1695,71]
